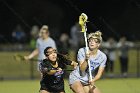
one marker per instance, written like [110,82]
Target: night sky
[113,17]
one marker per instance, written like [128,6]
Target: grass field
[130,85]
[10,69]
[23,69]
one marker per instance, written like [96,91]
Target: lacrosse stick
[82,21]
[19,57]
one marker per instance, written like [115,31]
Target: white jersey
[42,44]
[98,61]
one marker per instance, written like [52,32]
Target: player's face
[52,54]
[93,43]
[44,33]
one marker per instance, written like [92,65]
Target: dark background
[113,17]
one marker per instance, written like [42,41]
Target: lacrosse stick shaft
[87,50]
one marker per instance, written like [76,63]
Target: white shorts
[75,76]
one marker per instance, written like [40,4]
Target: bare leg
[62,92]
[94,89]
[44,91]
[77,87]
[87,88]
[91,89]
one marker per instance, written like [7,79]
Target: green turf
[119,85]
[9,68]
[14,69]
[132,66]
[105,85]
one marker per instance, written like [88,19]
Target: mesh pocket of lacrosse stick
[19,57]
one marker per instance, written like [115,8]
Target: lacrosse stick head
[18,57]
[82,21]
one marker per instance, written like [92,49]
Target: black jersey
[53,82]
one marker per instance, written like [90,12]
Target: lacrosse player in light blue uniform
[79,78]
[42,42]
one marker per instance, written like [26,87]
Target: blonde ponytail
[96,35]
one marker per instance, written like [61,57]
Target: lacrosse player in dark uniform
[52,69]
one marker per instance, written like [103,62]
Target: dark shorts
[55,88]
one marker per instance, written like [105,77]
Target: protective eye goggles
[96,40]
[51,52]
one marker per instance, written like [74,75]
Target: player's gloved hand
[91,82]
[74,64]
[26,58]
[29,57]
[59,70]
[87,56]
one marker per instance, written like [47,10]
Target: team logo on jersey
[58,76]
[59,73]
[94,65]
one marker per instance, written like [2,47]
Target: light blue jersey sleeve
[81,55]
[103,63]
